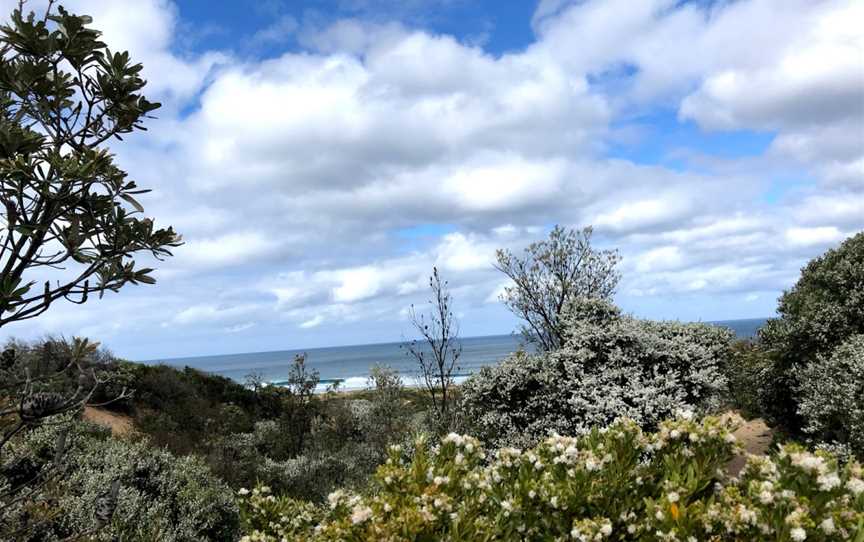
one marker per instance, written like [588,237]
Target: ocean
[350,365]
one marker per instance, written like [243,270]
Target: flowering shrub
[832,396]
[616,483]
[610,366]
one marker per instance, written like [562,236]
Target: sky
[320,157]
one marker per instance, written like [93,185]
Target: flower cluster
[615,483]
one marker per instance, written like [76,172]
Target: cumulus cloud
[294,178]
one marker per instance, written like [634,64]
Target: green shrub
[832,396]
[748,373]
[610,365]
[616,483]
[822,310]
[161,497]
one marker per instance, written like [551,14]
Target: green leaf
[132,201]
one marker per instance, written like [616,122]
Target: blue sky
[320,157]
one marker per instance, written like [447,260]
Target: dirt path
[119,424]
[756,437]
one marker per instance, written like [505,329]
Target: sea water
[349,366]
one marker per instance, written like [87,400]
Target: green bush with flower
[613,483]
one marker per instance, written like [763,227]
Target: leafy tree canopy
[823,309]
[69,214]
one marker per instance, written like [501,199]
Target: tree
[823,309]
[69,224]
[552,273]
[437,352]
[69,213]
[818,314]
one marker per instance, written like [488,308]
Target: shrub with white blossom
[616,483]
[831,399]
[611,365]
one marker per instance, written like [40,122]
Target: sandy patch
[118,423]
[756,437]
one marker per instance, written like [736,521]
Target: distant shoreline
[725,323]
[350,365]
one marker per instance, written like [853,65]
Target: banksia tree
[70,227]
[70,220]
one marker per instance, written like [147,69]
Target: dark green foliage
[822,310]
[63,95]
[749,373]
[183,410]
[46,383]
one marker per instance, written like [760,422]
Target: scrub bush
[161,496]
[823,310]
[610,366]
[832,396]
[616,483]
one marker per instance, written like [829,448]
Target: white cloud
[659,259]
[813,236]
[291,175]
[312,322]
[228,249]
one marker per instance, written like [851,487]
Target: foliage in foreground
[161,496]
[616,483]
[610,366]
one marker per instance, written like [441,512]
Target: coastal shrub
[611,365]
[615,483]
[161,496]
[832,396]
[822,310]
[47,382]
[748,372]
[345,441]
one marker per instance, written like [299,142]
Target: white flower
[673,497]
[827,526]
[798,534]
[685,414]
[360,514]
[827,482]
[855,485]
[243,491]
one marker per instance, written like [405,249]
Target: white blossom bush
[610,366]
[831,396]
[161,496]
[616,483]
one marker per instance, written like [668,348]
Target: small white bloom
[360,514]
[798,534]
